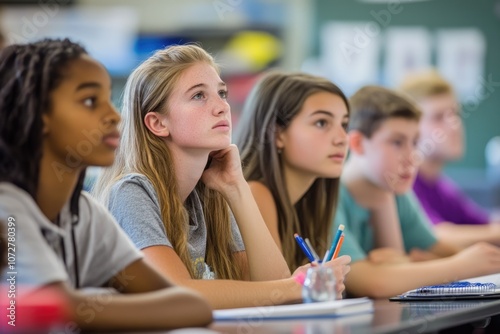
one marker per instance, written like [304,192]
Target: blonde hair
[148,89]
[425,84]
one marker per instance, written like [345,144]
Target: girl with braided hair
[56,118]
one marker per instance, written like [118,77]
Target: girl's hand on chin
[224,170]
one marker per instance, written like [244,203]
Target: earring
[280,150]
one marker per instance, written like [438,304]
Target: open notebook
[330,309]
[483,287]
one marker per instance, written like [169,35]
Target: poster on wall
[406,50]
[460,59]
[350,54]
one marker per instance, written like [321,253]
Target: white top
[102,248]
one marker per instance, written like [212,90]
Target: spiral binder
[483,287]
[418,309]
[453,288]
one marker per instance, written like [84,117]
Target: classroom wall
[166,16]
[483,121]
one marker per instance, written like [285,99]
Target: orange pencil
[337,250]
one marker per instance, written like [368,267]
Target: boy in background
[383,222]
[456,218]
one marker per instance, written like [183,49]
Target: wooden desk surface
[388,317]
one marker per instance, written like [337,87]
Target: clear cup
[319,285]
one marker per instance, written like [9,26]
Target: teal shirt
[358,232]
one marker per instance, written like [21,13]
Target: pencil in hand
[339,246]
[335,241]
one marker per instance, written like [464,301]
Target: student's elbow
[199,311]
[204,311]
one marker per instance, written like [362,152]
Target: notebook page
[333,308]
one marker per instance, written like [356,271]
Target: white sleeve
[35,263]
[105,249]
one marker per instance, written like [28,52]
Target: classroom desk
[388,317]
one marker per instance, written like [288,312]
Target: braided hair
[28,74]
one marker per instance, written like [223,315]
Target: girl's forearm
[162,309]
[387,280]
[222,294]
[265,260]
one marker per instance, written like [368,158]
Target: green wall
[483,122]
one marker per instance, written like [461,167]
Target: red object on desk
[34,312]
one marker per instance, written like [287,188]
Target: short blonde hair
[425,84]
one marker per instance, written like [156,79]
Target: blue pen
[335,242]
[303,246]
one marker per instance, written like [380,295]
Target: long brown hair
[148,89]
[274,101]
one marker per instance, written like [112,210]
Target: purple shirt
[444,202]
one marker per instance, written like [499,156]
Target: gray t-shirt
[102,248]
[134,203]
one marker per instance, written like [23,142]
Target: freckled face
[198,113]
